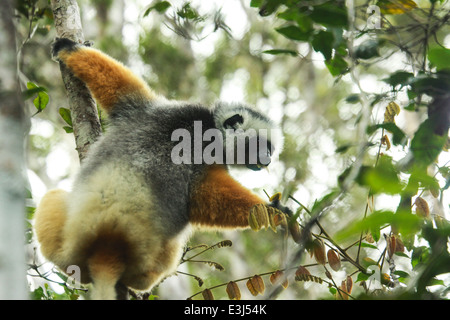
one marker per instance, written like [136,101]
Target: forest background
[361,90]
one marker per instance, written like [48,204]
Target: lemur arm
[220,201]
[109,81]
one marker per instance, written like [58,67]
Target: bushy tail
[106,267]
[50,217]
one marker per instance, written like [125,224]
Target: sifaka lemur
[132,207]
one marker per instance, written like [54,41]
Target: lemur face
[250,138]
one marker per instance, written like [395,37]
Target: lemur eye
[231,122]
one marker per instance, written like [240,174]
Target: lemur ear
[231,122]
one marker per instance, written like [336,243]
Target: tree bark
[12,165]
[85,120]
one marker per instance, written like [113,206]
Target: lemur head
[250,138]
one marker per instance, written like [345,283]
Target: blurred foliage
[371,207]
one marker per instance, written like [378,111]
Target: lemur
[131,208]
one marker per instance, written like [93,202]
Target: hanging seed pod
[342,293]
[280,219]
[233,291]
[391,244]
[302,274]
[256,285]
[422,208]
[399,246]
[294,230]
[334,260]
[253,221]
[258,217]
[319,251]
[272,212]
[385,141]
[349,284]
[207,294]
[274,277]
[392,110]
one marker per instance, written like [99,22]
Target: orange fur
[50,217]
[106,78]
[220,201]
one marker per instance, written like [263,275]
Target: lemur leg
[220,201]
[109,81]
[50,217]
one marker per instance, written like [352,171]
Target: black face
[263,153]
[258,150]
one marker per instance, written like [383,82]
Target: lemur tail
[50,217]
[106,266]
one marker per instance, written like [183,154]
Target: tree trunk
[12,165]
[85,120]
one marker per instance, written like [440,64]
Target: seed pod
[274,277]
[252,220]
[263,216]
[349,284]
[333,260]
[223,243]
[256,285]
[207,294]
[399,246]
[294,230]
[422,208]
[386,142]
[302,274]
[342,293]
[279,219]
[392,110]
[440,221]
[271,212]
[391,245]
[319,251]
[233,291]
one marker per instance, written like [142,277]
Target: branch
[85,120]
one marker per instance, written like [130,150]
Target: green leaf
[406,223]
[382,178]
[330,14]
[367,50]
[66,115]
[68,129]
[431,85]
[189,13]
[266,7]
[419,256]
[439,57]
[303,21]
[160,6]
[281,51]
[294,33]
[323,42]
[256,3]
[337,65]
[362,277]
[426,145]
[398,136]
[368,245]
[42,99]
[400,78]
